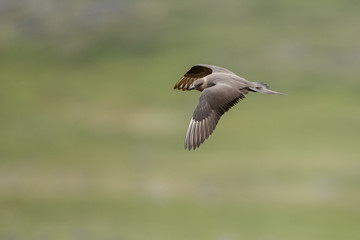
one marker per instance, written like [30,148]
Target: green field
[91,131]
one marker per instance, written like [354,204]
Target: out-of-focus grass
[138,219]
[92,133]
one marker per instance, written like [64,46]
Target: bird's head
[199,84]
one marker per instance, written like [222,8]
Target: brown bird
[221,89]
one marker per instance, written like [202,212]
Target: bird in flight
[220,90]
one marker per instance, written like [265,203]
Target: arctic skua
[220,90]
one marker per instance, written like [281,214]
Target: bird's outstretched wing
[213,103]
[198,71]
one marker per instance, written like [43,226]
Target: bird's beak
[191,87]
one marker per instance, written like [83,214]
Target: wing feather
[213,103]
[196,72]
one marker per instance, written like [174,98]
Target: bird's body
[221,89]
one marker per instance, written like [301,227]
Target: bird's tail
[263,88]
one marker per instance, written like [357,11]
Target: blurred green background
[91,131]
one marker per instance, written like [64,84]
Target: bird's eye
[198,85]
